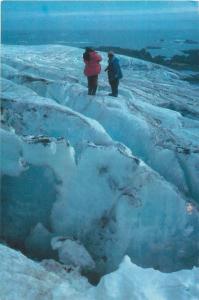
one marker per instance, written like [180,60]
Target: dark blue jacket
[114,70]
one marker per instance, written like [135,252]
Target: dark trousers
[92,84]
[114,87]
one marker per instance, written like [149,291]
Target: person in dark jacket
[114,73]
[92,69]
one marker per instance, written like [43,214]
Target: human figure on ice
[114,73]
[92,69]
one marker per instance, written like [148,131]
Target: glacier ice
[154,100]
[71,252]
[110,212]
[38,243]
[119,175]
[133,282]
[22,278]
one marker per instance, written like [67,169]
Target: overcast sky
[95,14]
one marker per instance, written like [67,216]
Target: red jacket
[92,66]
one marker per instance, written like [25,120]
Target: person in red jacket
[92,69]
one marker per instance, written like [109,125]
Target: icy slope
[31,114]
[139,118]
[80,180]
[132,211]
[24,279]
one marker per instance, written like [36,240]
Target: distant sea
[163,27]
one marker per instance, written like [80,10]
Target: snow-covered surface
[21,278]
[120,175]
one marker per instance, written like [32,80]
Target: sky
[54,14]
[100,0]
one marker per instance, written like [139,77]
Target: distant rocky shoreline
[188,60]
